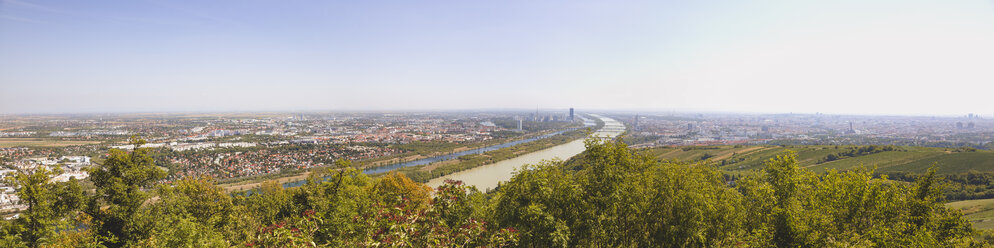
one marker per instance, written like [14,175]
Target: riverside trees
[608,196]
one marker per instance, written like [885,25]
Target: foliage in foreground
[615,197]
[610,196]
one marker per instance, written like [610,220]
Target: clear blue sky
[864,57]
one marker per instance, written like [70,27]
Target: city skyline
[865,58]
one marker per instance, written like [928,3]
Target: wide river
[424,161]
[488,176]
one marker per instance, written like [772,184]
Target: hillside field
[742,159]
[979,212]
[905,159]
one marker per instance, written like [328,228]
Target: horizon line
[452,110]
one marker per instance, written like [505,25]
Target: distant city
[231,146]
[649,130]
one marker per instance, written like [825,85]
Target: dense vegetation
[609,196]
[959,186]
[857,151]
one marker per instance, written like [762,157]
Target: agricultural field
[39,142]
[903,159]
[979,212]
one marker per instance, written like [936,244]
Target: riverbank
[457,154]
[488,176]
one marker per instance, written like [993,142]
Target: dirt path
[729,153]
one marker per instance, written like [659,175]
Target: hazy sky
[865,57]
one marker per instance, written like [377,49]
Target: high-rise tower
[636,125]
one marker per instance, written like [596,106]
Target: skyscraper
[571,114]
[852,129]
[636,125]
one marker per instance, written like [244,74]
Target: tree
[931,222]
[191,212]
[196,197]
[117,206]
[612,196]
[457,203]
[394,188]
[49,205]
[788,206]
[784,176]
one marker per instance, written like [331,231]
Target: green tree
[117,206]
[49,205]
[394,188]
[542,201]
[196,197]
[191,212]
[181,231]
[612,196]
[931,222]
[790,207]
[784,176]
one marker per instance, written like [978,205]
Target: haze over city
[628,123]
[848,57]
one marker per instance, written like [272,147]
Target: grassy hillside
[906,159]
[979,212]
[968,175]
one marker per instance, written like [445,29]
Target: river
[425,161]
[488,176]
